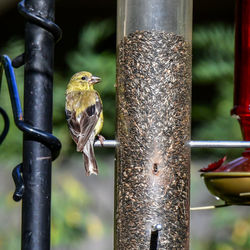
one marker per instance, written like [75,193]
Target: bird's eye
[84,78]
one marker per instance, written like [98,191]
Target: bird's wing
[82,125]
[74,127]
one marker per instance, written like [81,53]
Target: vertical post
[39,60]
[153,124]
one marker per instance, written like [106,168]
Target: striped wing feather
[82,126]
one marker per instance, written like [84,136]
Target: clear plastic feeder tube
[173,16]
[153,124]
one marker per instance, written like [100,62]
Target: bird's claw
[101,139]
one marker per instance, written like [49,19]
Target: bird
[84,115]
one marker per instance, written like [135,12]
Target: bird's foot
[101,139]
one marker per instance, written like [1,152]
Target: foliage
[72,219]
[87,56]
[231,231]
[213,60]
[213,52]
[213,71]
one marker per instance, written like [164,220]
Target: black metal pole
[39,60]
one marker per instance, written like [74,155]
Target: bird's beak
[95,79]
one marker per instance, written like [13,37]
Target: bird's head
[84,79]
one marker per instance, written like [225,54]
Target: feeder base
[231,187]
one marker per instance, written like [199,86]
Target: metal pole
[219,144]
[192,144]
[39,60]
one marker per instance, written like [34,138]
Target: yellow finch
[84,116]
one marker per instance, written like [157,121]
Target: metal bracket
[6,125]
[5,63]
[46,138]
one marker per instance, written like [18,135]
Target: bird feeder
[231,182]
[153,124]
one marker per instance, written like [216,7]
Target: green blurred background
[82,208]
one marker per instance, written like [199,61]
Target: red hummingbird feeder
[231,181]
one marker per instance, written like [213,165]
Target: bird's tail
[89,159]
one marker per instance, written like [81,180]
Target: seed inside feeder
[153,126]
